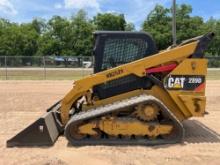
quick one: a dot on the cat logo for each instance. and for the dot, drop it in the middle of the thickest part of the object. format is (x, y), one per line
(176, 82)
(184, 82)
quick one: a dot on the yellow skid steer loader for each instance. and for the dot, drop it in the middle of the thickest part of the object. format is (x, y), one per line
(136, 96)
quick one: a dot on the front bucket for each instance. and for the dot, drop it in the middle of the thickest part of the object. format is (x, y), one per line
(42, 132)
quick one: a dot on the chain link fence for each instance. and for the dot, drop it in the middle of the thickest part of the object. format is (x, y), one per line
(45, 67)
(60, 68)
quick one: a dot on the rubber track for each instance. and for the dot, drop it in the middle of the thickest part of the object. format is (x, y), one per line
(115, 107)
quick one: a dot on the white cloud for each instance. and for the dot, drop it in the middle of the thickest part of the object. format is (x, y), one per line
(140, 9)
(79, 4)
(58, 6)
(7, 7)
(112, 11)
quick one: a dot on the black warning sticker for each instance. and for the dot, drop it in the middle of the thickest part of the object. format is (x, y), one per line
(183, 82)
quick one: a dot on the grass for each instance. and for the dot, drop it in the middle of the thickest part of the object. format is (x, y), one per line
(213, 74)
(62, 74)
(59, 74)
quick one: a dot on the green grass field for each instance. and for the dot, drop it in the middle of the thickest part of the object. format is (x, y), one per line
(65, 74)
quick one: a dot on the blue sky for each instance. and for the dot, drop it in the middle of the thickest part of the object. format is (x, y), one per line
(135, 10)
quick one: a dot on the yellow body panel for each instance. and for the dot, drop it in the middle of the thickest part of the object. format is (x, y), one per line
(137, 68)
(190, 103)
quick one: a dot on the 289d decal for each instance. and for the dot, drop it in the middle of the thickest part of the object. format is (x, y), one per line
(184, 82)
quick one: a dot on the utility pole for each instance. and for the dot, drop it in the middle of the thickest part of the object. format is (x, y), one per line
(174, 23)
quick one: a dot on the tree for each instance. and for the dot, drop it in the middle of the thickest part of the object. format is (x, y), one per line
(62, 36)
(39, 25)
(158, 23)
(19, 40)
(129, 27)
(110, 21)
(213, 25)
(53, 40)
(188, 26)
(81, 38)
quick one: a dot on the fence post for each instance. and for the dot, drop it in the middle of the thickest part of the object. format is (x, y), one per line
(83, 70)
(6, 68)
(45, 73)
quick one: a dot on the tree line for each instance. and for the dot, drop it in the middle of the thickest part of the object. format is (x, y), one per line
(62, 36)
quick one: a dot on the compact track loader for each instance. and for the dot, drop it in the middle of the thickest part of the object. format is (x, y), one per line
(136, 96)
